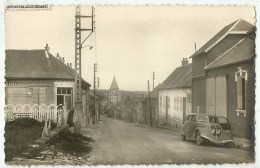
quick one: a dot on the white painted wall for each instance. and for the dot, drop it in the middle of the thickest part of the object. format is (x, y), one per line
(176, 107)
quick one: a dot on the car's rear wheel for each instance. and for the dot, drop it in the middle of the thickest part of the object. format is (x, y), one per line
(183, 137)
(199, 139)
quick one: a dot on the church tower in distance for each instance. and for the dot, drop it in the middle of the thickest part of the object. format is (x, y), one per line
(114, 95)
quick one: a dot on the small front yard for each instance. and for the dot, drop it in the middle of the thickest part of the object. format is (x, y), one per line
(19, 133)
(21, 147)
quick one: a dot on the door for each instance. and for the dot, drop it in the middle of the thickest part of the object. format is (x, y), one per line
(184, 109)
(192, 125)
(60, 100)
(221, 96)
(216, 96)
(210, 96)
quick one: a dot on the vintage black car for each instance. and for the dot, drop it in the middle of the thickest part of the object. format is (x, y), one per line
(202, 127)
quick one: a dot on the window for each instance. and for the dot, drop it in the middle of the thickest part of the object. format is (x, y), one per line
(175, 104)
(160, 101)
(181, 104)
(241, 83)
(64, 95)
(189, 98)
(193, 118)
(169, 103)
(241, 78)
(164, 102)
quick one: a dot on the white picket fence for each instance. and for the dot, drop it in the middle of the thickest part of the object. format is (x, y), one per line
(39, 112)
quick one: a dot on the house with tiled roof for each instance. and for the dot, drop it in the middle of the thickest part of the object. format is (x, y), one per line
(223, 77)
(38, 77)
(175, 95)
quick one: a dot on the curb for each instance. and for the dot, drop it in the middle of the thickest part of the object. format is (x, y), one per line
(244, 146)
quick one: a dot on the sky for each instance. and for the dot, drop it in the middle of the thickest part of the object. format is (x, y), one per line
(130, 42)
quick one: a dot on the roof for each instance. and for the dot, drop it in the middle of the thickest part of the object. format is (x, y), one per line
(179, 78)
(114, 84)
(238, 27)
(36, 64)
(242, 51)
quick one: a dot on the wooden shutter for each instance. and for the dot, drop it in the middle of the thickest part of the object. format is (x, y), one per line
(221, 96)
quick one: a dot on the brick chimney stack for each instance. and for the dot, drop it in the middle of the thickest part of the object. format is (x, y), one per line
(185, 61)
(47, 48)
(58, 55)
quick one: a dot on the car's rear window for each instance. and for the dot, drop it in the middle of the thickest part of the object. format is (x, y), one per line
(219, 120)
(203, 118)
(213, 119)
(222, 120)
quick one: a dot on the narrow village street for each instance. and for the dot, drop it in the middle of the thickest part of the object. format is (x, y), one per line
(119, 142)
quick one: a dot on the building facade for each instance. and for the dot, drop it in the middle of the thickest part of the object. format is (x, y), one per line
(223, 77)
(38, 77)
(175, 95)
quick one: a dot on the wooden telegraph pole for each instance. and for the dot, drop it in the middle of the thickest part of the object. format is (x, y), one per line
(78, 113)
(149, 100)
(153, 79)
(95, 117)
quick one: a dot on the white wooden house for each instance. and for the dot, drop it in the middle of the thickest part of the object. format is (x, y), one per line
(38, 77)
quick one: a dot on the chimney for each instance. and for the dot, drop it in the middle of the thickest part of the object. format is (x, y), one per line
(58, 55)
(63, 60)
(185, 61)
(47, 48)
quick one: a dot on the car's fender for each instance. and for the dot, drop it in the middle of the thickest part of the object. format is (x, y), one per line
(202, 129)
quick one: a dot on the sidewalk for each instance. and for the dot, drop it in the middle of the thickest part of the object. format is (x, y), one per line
(242, 143)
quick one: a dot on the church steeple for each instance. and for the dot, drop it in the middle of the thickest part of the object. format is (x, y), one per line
(114, 84)
(114, 93)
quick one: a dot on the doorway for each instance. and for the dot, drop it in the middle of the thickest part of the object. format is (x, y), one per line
(65, 95)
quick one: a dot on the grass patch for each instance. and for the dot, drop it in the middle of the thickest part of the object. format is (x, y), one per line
(19, 133)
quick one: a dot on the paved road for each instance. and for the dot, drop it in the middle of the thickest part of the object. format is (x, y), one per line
(119, 142)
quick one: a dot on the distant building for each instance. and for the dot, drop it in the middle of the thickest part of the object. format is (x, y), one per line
(175, 95)
(114, 93)
(223, 77)
(151, 104)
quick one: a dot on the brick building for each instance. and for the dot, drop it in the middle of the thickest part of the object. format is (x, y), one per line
(223, 77)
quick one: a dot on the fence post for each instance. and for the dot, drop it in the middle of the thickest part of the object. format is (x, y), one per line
(65, 113)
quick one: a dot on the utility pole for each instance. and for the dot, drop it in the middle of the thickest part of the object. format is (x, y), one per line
(78, 113)
(149, 100)
(95, 87)
(153, 79)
